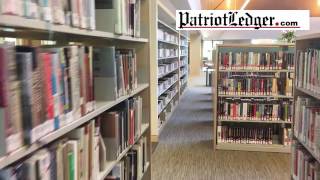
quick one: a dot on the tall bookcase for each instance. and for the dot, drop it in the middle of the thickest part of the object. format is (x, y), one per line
(306, 148)
(184, 61)
(252, 97)
(168, 72)
(33, 30)
(172, 69)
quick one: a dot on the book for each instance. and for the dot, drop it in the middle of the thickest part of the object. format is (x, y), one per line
(133, 165)
(304, 166)
(308, 74)
(124, 17)
(110, 132)
(307, 126)
(11, 134)
(121, 126)
(105, 74)
(115, 70)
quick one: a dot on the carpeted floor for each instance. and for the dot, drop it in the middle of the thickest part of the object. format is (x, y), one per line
(185, 149)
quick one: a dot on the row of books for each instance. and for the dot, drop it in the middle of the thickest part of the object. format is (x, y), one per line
(183, 80)
(167, 37)
(76, 156)
(167, 67)
(163, 117)
(85, 152)
(121, 126)
(76, 13)
(183, 52)
(123, 16)
(183, 42)
(133, 165)
(256, 60)
(258, 110)
(256, 85)
(308, 73)
(166, 97)
(183, 62)
(115, 70)
(183, 71)
(252, 135)
(307, 123)
(164, 52)
(304, 165)
(42, 90)
(165, 83)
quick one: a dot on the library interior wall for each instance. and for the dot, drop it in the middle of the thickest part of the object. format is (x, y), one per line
(195, 54)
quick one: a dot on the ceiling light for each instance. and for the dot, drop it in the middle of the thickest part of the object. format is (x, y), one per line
(228, 4)
(247, 2)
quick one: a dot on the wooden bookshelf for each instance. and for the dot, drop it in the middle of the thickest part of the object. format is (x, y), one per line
(35, 30)
(276, 146)
(302, 141)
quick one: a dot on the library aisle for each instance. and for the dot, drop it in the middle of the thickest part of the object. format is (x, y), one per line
(185, 147)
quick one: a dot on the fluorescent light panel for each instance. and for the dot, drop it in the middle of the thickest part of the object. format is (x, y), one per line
(246, 3)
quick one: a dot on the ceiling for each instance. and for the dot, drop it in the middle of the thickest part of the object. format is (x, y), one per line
(264, 5)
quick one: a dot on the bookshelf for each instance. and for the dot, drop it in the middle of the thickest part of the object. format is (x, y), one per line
(33, 31)
(305, 150)
(168, 69)
(184, 61)
(172, 69)
(246, 115)
(168, 73)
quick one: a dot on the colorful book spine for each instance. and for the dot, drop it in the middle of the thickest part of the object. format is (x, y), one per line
(258, 110)
(256, 60)
(307, 123)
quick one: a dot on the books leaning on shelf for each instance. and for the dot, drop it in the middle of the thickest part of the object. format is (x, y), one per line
(165, 98)
(123, 16)
(42, 90)
(256, 60)
(308, 73)
(133, 165)
(74, 157)
(114, 70)
(167, 67)
(255, 110)
(304, 165)
(183, 52)
(121, 126)
(253, 134)
(68, 12)
(255, 83)
(163, 35)
(165, 83)
(307, 123)
(183, 71)
(167, 52)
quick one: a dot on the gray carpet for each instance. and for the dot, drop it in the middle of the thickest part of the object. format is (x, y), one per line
(185, 149)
